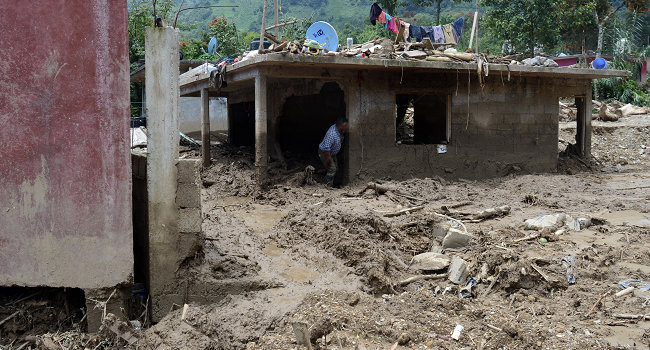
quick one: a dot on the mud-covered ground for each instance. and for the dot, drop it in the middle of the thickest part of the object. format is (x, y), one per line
(336, 263)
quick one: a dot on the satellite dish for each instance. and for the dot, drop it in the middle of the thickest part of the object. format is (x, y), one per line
(325, 34)
(212, 46)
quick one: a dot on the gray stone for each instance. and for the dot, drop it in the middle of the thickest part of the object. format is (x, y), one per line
(456, 239)
(440, 229)
(458, 271)
(415, 54)
(430, 262)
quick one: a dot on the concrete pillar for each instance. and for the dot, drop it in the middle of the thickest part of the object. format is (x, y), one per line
(261, 126)
(587, 123)
(353, 147)
(163, 94)
(205, 128)
(583, 124)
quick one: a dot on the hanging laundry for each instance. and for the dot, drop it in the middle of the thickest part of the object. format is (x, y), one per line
(458, 25)
(415, 32)
(375, 11)
(382, 17)
(427, 32)
(392, 25)
(438, 35)
(458, 28)
(448, 31)
(388, 20)
(407, 27)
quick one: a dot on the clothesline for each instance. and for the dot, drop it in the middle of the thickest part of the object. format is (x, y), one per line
(443, 34)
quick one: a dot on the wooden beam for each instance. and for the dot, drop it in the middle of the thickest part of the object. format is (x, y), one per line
(205, 128)
(272, 38)
(262, 30)
(281, 25)
(277, 12)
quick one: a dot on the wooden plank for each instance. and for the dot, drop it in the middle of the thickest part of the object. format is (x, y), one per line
(262, 29)
(277, 12)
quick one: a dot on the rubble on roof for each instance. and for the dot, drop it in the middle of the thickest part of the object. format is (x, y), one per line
(384, 48)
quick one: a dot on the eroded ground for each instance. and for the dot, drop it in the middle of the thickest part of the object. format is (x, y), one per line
(333, 260)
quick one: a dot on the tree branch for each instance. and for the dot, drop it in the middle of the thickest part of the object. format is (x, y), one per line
(613, 12)
(180, 9)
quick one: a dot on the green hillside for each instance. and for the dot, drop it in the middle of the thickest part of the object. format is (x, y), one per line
(248, 16)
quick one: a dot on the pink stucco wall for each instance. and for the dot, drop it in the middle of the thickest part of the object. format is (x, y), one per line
(65, 180)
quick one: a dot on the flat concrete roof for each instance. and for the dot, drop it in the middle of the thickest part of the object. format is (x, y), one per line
(189, 83)
(139, 74)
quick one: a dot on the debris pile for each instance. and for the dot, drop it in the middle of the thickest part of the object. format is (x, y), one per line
(384, 48)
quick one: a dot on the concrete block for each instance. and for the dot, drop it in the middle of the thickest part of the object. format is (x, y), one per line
(189, 243)
(458, 271)
(430, 262)
(189, 220)
(188, 195)
(456, 239)
(188, 170)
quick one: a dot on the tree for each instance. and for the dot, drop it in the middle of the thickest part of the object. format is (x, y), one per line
(526, 24)
(602, 20)
(437, 3)
(228, 43)
(141, 16)
(599, 13)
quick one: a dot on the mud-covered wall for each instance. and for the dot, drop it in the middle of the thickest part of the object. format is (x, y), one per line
(65, 189)
(502, 124)
(496, 128)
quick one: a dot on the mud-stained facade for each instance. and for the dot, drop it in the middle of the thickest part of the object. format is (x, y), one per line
(465, 126)
(65, 193)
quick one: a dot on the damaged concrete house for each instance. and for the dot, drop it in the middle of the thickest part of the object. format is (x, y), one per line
(465, 124)
(75, 214)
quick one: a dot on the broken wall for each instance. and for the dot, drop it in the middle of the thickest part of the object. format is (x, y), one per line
(65, 194)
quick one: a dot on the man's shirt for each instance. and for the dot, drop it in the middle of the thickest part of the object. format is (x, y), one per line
(332, 141)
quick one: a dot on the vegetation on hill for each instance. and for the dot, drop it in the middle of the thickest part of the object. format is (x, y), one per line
(528, 26)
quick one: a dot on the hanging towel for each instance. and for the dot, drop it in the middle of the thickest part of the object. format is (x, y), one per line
(392, 25)
(415, 32)
(382, 17)
(456, 35)
(375, 11)
(427, 32)
(458, 29)
(438, 35)
(458, 25)
(448, 30)
(407, 27)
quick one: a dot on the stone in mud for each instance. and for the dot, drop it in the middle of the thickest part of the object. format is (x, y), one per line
(458, 271)
(440, 229)
(430, 262)
(456, 239)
